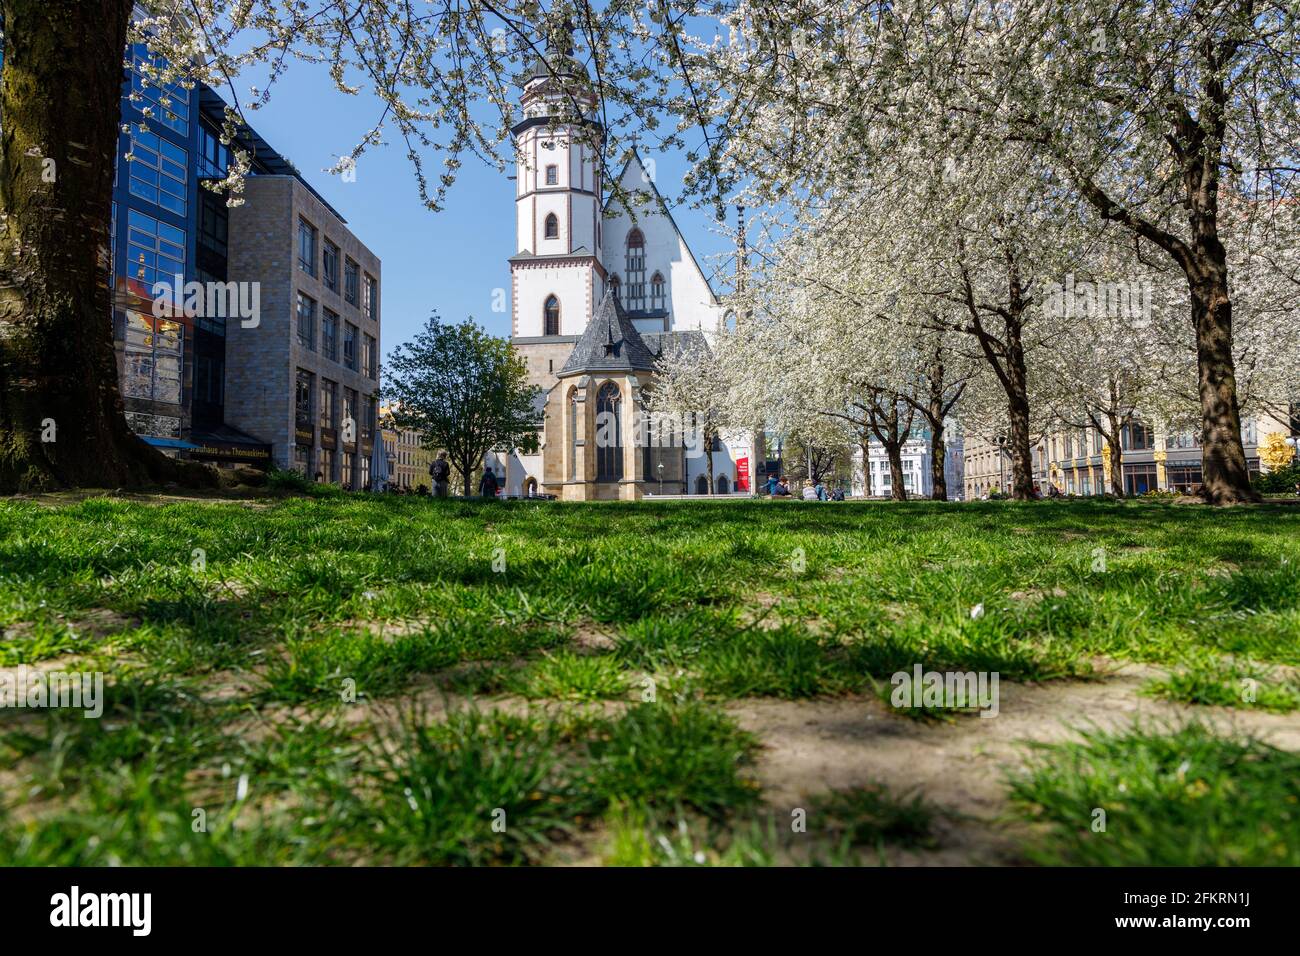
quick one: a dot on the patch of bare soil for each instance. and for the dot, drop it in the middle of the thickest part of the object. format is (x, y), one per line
(960, 766)
(256, 498)
(591, 637)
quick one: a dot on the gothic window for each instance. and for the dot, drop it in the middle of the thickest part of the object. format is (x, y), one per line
(647, 453)
(573, 434)
(657, 292)
(609, 433)
(635, 270)
(552, 227)
(551, 313)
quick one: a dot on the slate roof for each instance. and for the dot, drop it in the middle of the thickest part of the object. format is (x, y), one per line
(610, 343)
(539, 403)
(660, 343)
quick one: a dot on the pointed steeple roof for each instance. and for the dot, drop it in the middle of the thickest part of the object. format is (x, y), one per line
(610, 343)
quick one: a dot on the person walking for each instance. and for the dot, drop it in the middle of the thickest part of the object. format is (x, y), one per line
(440, 472)
(820, 488)
(487, 486)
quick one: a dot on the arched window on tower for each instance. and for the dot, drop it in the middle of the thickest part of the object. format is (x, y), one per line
(609, 433)
(552, 226)
(657, 289)
(551, 313)
(635, 271)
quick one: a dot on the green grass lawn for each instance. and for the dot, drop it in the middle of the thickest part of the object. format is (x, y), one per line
(350, 678)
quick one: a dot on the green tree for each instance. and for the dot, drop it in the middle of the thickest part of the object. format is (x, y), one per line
(465, 390)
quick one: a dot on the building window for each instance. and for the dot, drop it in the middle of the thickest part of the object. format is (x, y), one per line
(551, 313)
(214, 155)
(635, 270)
(152, 358)
(328, 393)
(301, 459)
(552, 226)
(209, 375)
(1140, 478)
(1135, 436)
(368, 419)
(609, 433)
(349, 415)
(302, 400)
(326, 472)
(329, 335)
(154, 250)
(306, 321)
(657, 295)
(350, 346)
(369, 360)
(169, 103)
(330, 266)
(1184, 476)
(350, 281)
(307, 247)
(573, 434)
(214, 223)
(371, 307)
(158, 170)
(552, 175)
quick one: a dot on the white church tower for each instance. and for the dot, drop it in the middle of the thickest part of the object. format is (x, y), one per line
(557, 277)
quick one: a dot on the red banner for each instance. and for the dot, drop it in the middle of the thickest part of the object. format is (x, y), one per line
(742, 474)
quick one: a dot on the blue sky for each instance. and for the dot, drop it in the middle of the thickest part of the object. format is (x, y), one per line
(451, 261)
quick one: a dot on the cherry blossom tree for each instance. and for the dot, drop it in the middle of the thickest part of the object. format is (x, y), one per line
(1159, 118)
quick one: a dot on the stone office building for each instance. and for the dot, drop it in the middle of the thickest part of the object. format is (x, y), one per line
(308, 372)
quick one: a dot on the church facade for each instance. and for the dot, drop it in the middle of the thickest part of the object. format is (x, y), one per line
(601, 291)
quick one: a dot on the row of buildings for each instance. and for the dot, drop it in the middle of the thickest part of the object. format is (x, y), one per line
(1076, 461)
(246, 334)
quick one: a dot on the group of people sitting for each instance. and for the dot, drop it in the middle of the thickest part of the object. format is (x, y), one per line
(780, 488)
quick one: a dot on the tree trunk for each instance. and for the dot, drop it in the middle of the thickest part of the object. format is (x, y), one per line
(897, 490)
(1224, 471)
(938, 458)
(61, 414)
(1017, 388)
(866, 467)
(1022, 462)
(1115, 450)
(708, 453)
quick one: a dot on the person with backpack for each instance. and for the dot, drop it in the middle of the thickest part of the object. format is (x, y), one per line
(487, 486)
(440, 472)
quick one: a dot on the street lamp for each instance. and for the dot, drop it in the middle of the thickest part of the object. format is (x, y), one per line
(661, 478)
